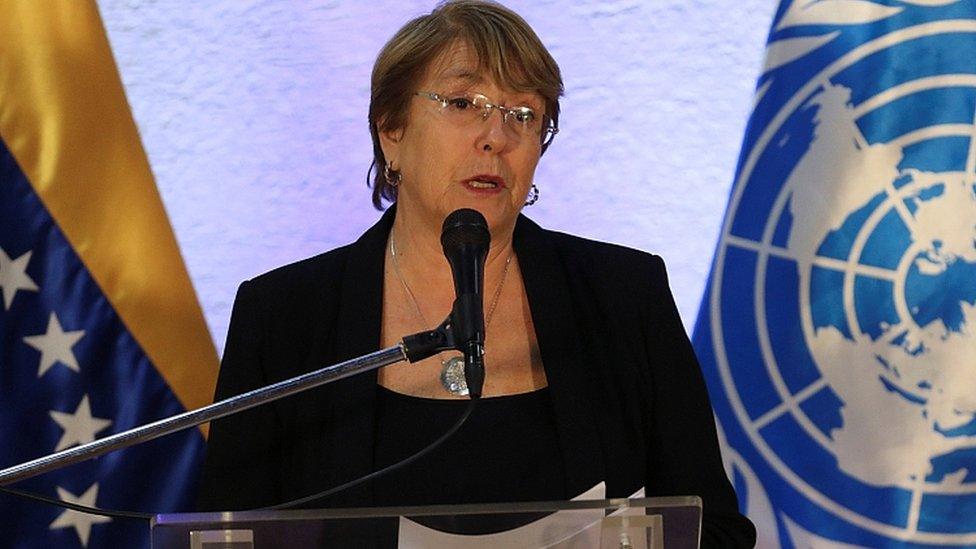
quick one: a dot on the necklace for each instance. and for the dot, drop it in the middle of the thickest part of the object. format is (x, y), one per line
(452, 368)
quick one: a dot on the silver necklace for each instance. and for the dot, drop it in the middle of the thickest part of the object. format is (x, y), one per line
(452, 368)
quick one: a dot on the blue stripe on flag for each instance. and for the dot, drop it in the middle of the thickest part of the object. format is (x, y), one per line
(113, 375)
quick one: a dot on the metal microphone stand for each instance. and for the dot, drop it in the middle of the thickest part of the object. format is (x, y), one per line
(412, 348)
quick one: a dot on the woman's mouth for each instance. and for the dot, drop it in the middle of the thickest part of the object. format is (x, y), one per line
(485, 183)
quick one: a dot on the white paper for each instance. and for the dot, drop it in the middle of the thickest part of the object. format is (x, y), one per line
(564, 530)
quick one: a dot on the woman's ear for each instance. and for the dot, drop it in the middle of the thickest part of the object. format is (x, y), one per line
(390, 143)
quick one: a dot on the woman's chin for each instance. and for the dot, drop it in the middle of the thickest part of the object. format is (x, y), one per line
(498, 214)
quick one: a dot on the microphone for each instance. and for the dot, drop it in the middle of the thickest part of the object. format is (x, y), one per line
(465, 239)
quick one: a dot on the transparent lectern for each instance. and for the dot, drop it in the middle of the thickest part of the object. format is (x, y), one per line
(638, 523)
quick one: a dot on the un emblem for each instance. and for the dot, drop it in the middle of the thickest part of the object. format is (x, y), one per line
(842, 307)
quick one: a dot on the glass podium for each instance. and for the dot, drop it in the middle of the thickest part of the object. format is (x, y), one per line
(637, 523)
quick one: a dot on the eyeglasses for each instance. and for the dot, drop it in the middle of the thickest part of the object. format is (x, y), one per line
(463, 109)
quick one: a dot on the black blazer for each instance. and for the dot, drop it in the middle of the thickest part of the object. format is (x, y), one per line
(628, 396)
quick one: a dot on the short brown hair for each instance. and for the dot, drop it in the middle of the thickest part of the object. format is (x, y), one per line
(506, 47)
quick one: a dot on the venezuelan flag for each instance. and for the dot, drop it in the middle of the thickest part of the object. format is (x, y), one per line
(100, 330)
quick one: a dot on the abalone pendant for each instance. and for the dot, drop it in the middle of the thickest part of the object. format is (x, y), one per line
(452, 376)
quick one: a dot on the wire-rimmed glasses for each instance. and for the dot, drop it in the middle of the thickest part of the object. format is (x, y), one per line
(465, 108)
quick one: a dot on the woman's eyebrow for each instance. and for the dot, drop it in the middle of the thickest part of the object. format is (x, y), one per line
(462, 75)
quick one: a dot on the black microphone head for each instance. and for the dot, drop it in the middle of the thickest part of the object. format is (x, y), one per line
(465, 240)
(465, 227)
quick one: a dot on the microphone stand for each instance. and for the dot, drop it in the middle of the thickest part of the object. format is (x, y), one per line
(412, 348)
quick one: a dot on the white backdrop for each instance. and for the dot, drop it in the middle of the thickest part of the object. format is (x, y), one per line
(253, 113)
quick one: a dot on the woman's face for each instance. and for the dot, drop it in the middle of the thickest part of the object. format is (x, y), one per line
(487, 165)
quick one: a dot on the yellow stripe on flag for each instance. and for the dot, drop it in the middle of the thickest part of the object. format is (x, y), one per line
(65, 118)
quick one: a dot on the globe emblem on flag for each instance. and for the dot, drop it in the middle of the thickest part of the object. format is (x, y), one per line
(843, 306)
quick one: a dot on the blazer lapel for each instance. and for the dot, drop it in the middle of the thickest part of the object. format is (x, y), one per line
(563, 357)
(358, 325)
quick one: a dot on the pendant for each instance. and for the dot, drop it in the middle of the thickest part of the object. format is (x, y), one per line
(452, 376)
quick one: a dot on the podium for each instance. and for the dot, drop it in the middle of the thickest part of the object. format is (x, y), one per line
(638, 523)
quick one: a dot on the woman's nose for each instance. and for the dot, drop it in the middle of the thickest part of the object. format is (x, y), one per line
(496, 134)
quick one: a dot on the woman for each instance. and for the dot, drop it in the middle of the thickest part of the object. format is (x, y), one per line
(590, 376)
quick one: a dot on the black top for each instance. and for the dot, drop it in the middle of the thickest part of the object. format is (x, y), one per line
(628, 398)
(506, 451)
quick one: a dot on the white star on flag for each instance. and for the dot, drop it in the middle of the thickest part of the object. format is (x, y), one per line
(55, 346)
(79, 427)
(13, 277)
(81, 522)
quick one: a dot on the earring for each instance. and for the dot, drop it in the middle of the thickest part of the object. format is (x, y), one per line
(392, 176)
(533, 195)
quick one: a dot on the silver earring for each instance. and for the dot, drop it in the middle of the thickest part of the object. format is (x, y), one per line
(533, 195)
(392, 176)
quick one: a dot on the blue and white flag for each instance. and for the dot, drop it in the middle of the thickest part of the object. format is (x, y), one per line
(100, 330)
(838, 328)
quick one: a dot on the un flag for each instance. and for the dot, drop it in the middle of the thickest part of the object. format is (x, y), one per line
(838, 328)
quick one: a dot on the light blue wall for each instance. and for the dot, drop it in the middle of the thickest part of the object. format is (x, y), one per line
(253, 113)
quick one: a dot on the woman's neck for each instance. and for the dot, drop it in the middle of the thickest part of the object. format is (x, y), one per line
(422, 264)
